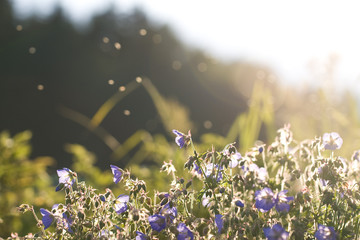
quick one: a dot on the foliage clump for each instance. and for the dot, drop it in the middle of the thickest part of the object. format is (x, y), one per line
(284, 190)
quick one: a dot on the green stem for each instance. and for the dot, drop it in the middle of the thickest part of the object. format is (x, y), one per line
(37, 220)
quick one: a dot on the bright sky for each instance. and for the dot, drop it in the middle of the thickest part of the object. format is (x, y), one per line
(285, 35)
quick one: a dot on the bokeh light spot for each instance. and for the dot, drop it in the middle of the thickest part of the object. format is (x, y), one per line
(117, 45)
(142, 32)
(19, 28)
(122, 88)
(208, 124)
(157, 38)
(106, 40)
(138, 79)
(176, 65)
(40, 87)
(127, 112)
(111, 82)
(32, 50)
(202, 67)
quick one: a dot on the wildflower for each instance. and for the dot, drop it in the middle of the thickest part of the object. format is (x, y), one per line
(66, 178)
(66, 222)
(356, 156)
(332, 141)
(157, 222)
(234, 159)
(205, 201)
(169, 211)
(261, 149)
(219, 222)
(184, 232)
(140, 236)
(239, 203)
(48, 217)
(121, 203)
(260, 173)
(117, 173)
(281, 201)
(264, 199)
(212, 170)
(325, 233)
(231, 152)
(181, 139)
(197, 169)
(277, 232)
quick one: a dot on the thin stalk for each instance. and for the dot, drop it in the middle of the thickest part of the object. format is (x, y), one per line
(37, 220)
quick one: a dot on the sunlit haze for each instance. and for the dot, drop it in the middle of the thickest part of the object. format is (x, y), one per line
(291, 37)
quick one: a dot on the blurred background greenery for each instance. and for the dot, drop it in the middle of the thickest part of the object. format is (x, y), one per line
(112, 92)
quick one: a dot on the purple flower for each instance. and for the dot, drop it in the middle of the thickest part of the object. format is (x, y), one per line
(281, 201)
(219, 222)
(332, 141)
(140, 236)
(184, 232)
(260, 173)
(157, 222)
(356, 156)
(66, 222)
(234, 159)
(264, 199)
(120, 205)
(205, 201)
(197, 169)
(117, 173)
(212, 170)
(325, 233)
(181, 139)
(66, 178)
(239, 203)
(276, 233)
(261, 149)
(169, 211)
(48, 217)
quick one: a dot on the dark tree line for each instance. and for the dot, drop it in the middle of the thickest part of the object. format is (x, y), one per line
(46, 64)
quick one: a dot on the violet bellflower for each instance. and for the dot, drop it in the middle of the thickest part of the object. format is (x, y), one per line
(197, 169)
(66, 178)
(66, 222)
(48, 218)
(157, 222)
(184, 232)
(264, 199)
(206, 201)
(214, 171)
(117, 172)
(140, 236)
(332, 141)
(325, 233)
(277, 232)
(181, 139)
(120, 205)
(219, 222)
(168, 211)
(281, 201)
(239, 203)
(234, 159)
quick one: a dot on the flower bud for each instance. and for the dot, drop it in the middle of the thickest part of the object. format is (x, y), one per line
(81, 215)
(59, 187)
